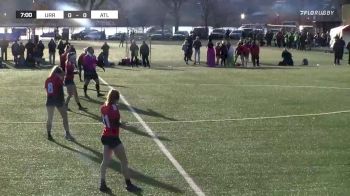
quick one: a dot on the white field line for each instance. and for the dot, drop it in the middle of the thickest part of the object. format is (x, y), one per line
(166, 152)
(198, 121)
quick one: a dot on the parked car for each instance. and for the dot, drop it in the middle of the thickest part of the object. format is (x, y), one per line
(180, 35)
(116, 36)
(94, 35)
(201, 32)
(218, 33)
(160, 35)
(236, 35)
(82, 34)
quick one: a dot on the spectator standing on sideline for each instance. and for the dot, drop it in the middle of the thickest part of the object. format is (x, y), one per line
(105, 49)
(60, 48)
(223, 52)
(210, 54)
(122, 40)
(230, 54)
(185, 49)
(30, 51)
(190, 46)
(348, 47)
(144, 51)
(240, 53)
(134, 48)
(255, 51)
(40, 48)
(342, 46)
(52, 51)
(337, 49)
(217, 52)
(197, 44)
(4, 44)
(21, 54)
(15, 52)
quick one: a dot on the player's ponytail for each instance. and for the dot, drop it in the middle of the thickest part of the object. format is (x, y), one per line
(56, 70)
(112, 97)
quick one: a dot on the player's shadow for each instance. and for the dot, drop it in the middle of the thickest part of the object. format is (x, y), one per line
(92, 89)
(97, 158)
(87, 114)
(148, 112)
(137, 131)
(11, 65)
(114, 86)
(91, 100)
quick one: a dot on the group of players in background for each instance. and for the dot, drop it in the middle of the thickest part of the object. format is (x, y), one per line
(63, 75)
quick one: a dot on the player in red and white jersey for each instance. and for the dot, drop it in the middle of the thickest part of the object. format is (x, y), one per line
(111, 142)
(63, 58)
(69, 79)
(81, 63)
(55, 99)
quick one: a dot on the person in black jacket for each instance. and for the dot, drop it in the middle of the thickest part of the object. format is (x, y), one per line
(134, 53)
(144, 51)
(30, 50)
(52, 51)
(4, 44)
(40, 48)
(337, 49)
(287, 58)
(105, 50)
(342, 46)
(21, 54)
(61, 47)
(15, 52)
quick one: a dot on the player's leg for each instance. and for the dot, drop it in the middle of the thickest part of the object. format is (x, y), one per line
(87, 79)
(119, 152)
(64, 115)
(97, 85)
(107, 156)
(76, 97)
(50, 112)
(70, 94)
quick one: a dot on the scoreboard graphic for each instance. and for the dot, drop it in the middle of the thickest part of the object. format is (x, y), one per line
(58, 14)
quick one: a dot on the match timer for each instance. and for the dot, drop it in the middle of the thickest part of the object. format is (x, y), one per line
(26, 14)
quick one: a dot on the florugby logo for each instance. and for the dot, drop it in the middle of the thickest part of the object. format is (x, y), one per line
(316, 12)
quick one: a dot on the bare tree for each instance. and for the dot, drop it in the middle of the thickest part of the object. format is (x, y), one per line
(207, 6)
(174, 6)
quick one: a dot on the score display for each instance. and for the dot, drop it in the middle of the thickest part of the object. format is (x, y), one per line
(58, 14)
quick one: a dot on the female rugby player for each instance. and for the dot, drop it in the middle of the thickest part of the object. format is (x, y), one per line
(111, 142)
(55, 99)
(90, 63)
(69, 80)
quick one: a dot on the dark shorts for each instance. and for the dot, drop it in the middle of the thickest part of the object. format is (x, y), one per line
(69, 82)
(90, 75)
(110, 141)
(54, 102)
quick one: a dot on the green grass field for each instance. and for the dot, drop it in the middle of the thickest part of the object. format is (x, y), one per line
(237, 154)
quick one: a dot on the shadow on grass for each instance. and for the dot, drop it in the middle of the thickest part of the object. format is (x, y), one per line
(11, 65)
(87, 114)
(91, 89)
(114, 86)
(97, 158)
(137, 131)
(148, 112)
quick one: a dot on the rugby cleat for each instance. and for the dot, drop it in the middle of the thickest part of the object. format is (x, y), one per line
(133, 188)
